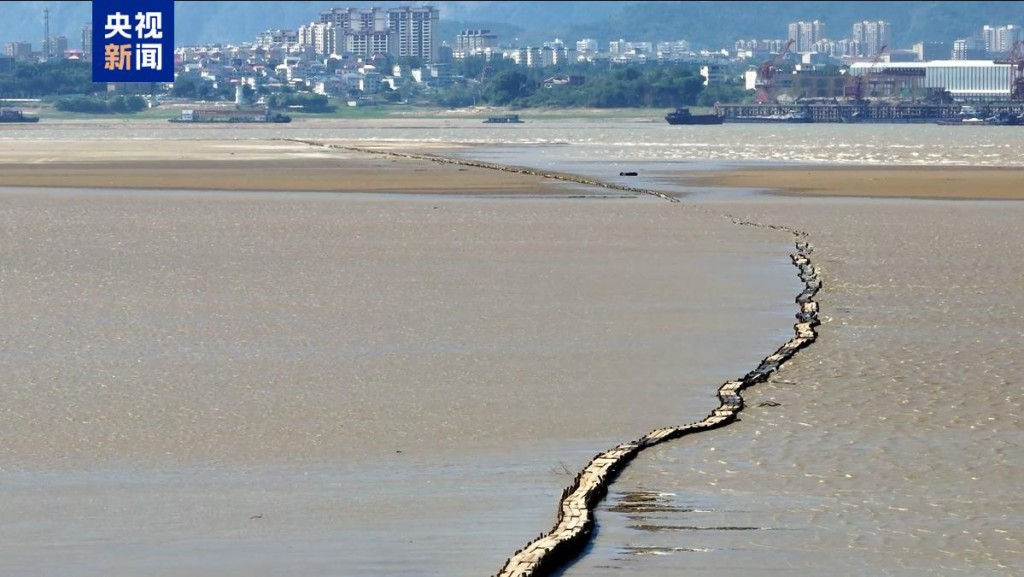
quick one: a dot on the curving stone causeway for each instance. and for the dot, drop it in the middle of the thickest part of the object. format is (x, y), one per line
(551, 551)
(571, 533)
(477, 164)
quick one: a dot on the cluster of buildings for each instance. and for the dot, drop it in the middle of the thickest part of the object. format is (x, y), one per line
(272, 68)
(867, 39)
(408, 31)
(51, 48)
(977, 68)
(346, 51)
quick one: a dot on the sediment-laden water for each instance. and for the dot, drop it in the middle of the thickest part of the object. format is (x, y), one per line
(256, 384)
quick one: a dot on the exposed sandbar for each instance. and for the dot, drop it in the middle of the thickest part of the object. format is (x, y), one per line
(266, 165)
(953, 182)
(252, 166)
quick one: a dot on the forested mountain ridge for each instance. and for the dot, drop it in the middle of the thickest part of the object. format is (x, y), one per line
(233, 22)
(716, 25)
(711, 25)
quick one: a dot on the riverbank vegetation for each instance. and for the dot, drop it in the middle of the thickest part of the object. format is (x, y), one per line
(471, 82)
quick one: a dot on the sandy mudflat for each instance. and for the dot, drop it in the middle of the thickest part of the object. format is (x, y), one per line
(253, 166)
(266, 165)
(876, 181)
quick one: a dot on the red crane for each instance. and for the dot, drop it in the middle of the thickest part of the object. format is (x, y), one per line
(1015, 58)
(766, 75)
(855, 89)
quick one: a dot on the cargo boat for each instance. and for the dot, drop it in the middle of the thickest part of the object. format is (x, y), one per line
(15, 115)
(684, 116)
(230, 116)
(998, 119)
(504, 119)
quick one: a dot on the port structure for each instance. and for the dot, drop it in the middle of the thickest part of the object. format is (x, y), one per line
(1015, 58)
(855, 89)
(766, 76)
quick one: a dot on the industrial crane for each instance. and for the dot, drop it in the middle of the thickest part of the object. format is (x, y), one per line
(1015, 58)
(856, 89)
(766, 75)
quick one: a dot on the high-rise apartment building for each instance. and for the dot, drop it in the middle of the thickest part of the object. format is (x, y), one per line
(806, 34)
(359, 32)
(322, 37)
(401, 31)
(416, 28)
(872, 36)
(969, 49)
(1000, 39)
(87, 42)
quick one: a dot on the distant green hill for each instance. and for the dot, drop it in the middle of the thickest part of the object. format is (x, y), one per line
(712, 25)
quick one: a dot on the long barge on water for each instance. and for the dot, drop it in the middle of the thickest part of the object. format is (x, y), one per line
(13, 115)
(228, 115)
(877, 113)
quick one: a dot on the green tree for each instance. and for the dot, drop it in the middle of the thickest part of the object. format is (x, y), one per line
(456, 97)
(410, 62)
(728, 93)
(52, 78)
(506, 87)
(302, 101)
(184, 88)
(95, 105)
(204, 91)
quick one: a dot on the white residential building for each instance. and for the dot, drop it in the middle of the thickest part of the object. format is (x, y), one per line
(872, 36)
(714, 74)
(805, 34)
(999, 40)
(586, 45)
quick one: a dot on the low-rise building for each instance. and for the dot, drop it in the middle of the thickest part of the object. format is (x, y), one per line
(564, 80)
(474, 43)
(714, 74)
(18, 50)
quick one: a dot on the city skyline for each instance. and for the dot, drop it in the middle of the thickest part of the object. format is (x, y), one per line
(413, 31)
(23, 22)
